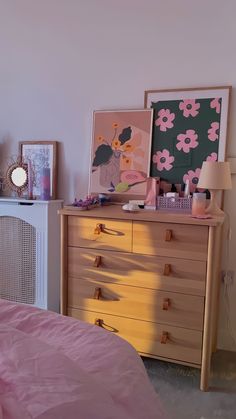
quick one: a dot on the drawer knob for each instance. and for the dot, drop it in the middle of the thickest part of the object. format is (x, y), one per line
(98, 228)
(97, 293)
(166, 304)
(97, 261)
(167, 269)
(98, 322)
(168, 235)
(164, 337)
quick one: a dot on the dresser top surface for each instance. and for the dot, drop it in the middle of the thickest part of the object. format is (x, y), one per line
(116, 212)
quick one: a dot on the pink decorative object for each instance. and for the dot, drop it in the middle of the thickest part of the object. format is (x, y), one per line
(163, 160)
(213, 132)
(215, 103)
(153, 185)
(198, 204)
(164, 120)
(189, 107)
(187, 141)
(45, 184)
(121, 148)
(212, 157)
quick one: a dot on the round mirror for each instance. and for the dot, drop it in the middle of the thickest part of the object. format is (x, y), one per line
(19, 176)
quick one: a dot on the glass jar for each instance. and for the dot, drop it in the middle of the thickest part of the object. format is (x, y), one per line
(198, 204)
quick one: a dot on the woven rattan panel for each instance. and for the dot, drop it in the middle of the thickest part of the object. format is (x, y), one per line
(17, 260)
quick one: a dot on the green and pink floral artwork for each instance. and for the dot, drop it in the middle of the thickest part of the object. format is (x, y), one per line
(189, 127)
(120, 154)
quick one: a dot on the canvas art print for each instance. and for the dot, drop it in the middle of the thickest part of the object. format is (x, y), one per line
(41, 154)
(120, 155)
(189, 127)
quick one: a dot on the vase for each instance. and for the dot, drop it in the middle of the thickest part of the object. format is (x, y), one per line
(110, 172)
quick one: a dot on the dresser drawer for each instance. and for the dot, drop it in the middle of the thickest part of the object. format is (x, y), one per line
(100, 233)
(170, 274)
(138, 303)
(179, 344)
(174, 240)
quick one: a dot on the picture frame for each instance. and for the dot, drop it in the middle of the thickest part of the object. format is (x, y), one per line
(40, 155)
(120, 153)
(189, 126)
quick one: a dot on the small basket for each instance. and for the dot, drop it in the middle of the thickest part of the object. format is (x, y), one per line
(174, 204)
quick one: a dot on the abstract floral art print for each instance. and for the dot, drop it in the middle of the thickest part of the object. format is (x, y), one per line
(189, 127)
(120, 154)
(41, 155)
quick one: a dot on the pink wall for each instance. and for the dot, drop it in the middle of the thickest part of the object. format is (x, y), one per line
(60, 60)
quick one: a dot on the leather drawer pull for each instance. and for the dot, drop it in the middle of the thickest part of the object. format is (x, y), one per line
(164, 337)
(100, 323)
(98, 229)
(167, 269)
(97, 261)
(97, 293)
(166, 304)
(168, 235)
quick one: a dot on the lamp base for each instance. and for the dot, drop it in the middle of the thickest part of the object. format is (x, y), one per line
(213, 208)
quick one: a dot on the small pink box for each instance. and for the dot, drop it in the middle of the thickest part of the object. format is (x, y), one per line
(152, 191)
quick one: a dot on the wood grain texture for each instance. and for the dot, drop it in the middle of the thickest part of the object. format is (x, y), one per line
(218, 244)
(146, 276)
(133, 302)
(114, 235)
(187, 242)
(64, 266)
(186, 276)
(182, 345)
(115, 212)
(208, 318)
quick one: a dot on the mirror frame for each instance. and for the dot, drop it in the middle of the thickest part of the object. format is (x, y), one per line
(17, 164)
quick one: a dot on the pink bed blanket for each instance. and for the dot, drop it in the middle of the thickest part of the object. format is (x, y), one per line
(56, 367)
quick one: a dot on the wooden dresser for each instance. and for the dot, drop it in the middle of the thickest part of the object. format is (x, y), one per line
(150, 277)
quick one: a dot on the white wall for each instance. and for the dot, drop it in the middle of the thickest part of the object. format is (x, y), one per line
(62, 59)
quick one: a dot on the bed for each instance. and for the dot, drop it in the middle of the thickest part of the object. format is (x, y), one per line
(53, 366)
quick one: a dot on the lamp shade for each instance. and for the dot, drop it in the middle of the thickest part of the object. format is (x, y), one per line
(215, 175)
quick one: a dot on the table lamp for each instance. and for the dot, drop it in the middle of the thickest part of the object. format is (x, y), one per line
(215, 176)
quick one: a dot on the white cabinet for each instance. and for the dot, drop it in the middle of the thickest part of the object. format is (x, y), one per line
(30, 252)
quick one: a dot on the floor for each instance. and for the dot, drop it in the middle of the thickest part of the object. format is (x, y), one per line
(178, 388)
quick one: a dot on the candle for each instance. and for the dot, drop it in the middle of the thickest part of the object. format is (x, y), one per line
(198, 204)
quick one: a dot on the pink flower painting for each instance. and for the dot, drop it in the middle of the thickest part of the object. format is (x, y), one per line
(192, 176)
(163, 160)
(164, 120)
(187, 141)
(215, 104)
(213, 132)
(212, 157)
(189, 107)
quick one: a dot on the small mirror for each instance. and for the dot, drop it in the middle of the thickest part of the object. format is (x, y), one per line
(17, 176)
